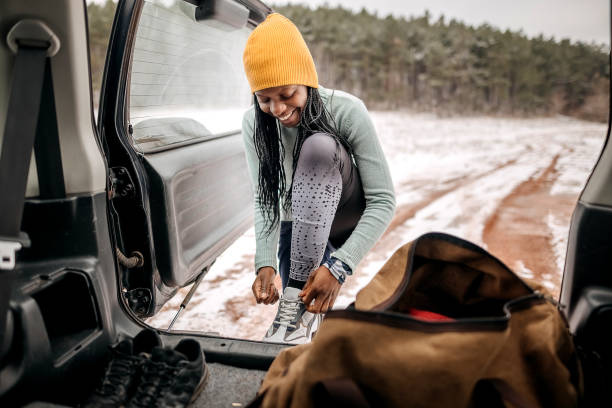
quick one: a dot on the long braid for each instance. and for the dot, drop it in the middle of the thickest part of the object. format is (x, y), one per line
(270, 150)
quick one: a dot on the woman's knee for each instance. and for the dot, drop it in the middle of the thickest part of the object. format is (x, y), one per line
(319, 149)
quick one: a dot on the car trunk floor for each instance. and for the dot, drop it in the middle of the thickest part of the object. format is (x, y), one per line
(229, 386)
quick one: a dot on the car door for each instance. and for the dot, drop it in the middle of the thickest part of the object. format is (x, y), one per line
(170, 116)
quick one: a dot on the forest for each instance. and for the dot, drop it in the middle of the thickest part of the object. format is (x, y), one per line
(439, 65)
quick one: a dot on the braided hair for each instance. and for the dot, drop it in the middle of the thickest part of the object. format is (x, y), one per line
(272, 185)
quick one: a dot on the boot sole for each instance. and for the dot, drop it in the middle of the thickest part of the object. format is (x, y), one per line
(201, 385)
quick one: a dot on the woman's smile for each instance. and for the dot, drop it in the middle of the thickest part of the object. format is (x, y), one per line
(283, 118)
(287, 116)
(285, 103)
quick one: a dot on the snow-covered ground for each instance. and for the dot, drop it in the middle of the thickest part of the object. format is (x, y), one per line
(506, 184)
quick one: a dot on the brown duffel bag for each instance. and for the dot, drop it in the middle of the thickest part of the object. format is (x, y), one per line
(502, 344)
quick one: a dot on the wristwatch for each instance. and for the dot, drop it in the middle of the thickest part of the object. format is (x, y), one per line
(338, 269)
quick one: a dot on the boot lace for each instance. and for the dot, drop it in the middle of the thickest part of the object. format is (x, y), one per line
(287, 312)
(117, 376)
(157, 378)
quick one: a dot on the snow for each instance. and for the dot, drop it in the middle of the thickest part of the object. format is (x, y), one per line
(523, 271)
(559, 231)
(452, 172)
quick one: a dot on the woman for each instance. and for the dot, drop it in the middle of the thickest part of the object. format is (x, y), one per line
(323, 191)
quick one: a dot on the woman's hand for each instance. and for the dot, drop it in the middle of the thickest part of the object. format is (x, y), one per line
(321, 286)
(264, 289)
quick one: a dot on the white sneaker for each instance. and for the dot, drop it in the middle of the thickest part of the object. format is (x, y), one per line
(293, 323)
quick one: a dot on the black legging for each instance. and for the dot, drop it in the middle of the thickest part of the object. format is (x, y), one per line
(327, 202)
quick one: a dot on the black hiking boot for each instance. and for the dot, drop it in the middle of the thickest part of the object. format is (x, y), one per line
(172, 378)
(127, 358)
(191, 378)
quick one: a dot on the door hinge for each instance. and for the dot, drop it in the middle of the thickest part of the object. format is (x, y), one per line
(121, 185)
(139, 300)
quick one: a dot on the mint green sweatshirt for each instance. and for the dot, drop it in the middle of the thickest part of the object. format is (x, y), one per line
(353, 121)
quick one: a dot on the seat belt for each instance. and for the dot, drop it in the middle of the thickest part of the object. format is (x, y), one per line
(33, 42)
(46, 144)
(19, 134)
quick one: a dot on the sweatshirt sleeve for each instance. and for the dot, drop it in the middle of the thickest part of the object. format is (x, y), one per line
(355, 123)
(265, 244)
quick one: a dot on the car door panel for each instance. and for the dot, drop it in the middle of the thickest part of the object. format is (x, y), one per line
(197, 195)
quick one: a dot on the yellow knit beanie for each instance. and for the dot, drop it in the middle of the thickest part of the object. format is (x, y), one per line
(276, 54)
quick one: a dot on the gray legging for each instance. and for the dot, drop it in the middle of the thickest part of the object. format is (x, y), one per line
(327, 202)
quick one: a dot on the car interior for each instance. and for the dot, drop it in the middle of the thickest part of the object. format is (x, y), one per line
(107, 213)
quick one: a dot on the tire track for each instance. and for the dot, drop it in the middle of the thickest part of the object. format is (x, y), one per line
(518, 232)
(405, 212)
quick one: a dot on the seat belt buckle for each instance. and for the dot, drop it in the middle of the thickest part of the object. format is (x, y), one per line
(8, 251)
(9, 246)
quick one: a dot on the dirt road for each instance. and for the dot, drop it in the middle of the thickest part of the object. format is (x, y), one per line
(509, 185)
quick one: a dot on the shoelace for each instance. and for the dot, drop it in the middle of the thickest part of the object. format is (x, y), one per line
(156, 378)
(120, 368)
(287, 311)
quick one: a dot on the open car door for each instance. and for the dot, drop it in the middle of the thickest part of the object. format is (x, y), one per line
(170, 117)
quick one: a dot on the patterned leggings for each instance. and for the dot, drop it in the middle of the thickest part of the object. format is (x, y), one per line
(327, 202)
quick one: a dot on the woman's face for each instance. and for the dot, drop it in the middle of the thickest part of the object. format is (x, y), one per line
(285, 103)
